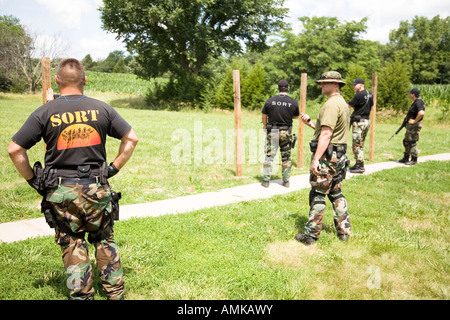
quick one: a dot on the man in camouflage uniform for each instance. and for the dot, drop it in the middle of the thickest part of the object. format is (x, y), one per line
(77, 195)
(277, 115)
(413, 127)
(362, 103)
(329, 161)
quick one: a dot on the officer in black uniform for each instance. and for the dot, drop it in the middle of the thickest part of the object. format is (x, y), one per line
(277, 115)
(74, 182)
(413, 126)
(361, 103)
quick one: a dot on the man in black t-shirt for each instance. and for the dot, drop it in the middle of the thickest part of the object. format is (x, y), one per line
(277, 115)
(361, 103)
(77, 195)
(413, 127)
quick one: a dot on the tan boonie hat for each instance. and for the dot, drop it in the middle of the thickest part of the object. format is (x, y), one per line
(331, 76)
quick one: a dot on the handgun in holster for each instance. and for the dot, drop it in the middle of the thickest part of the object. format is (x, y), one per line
(39, 185)
(115, 197)
(47, 210)
(294, 140)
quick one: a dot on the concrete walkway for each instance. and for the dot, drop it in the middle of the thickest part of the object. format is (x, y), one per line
(24, 229)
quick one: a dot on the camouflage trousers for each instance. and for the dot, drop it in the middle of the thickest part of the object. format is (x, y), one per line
(278, 139)
(359, 132)
(328, 183)
(411, 138)
(86, 209)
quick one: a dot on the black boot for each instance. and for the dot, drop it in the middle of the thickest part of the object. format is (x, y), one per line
(303, 238)
(412, 162)
(405, 158)
(358, 168)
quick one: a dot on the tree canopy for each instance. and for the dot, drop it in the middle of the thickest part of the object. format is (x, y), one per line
(15, 45)
(424, 45)
(324, 43)
(180, 36)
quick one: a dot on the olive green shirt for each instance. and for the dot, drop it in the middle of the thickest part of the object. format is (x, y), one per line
(335, 115)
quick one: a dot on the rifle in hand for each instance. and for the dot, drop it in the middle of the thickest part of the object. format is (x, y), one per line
(401, 127)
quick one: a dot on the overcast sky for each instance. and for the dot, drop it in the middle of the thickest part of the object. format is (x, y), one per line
(78, 23)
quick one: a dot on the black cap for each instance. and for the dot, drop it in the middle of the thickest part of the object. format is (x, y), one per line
(283, 84)
(357, 81)
(414, 91)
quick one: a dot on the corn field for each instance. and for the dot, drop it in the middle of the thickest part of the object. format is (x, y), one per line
(431, 92)
(117, 82)
(436, 94)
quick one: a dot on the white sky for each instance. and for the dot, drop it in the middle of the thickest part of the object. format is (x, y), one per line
(78, 23)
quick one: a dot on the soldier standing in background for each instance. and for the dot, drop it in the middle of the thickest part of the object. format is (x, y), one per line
(74, 182)
(329, 161)
(413, 127)
(277, 115)
(361, 103)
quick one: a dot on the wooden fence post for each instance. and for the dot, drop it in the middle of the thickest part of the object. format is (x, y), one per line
(301, 126)
(46, 78)
(373, 117)
(237, 121)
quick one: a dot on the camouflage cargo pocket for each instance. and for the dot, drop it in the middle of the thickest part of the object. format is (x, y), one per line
(322, 183)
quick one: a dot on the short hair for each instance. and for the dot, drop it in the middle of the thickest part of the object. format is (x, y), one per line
(71, 73)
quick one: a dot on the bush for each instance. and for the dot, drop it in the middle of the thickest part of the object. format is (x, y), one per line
(393, 84)
(354, 71)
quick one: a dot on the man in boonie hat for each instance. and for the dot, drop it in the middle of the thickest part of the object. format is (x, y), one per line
(328, 161)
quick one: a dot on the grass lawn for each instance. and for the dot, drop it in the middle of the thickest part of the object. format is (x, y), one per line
(184, 152)
(399, 248)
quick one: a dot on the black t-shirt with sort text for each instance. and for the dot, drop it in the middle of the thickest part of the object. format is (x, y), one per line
(280, 110)
(74, 129)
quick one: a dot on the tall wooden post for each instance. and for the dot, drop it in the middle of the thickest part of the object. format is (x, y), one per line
(373, 117)
(237, 121)
(301, 126)
(46, 77)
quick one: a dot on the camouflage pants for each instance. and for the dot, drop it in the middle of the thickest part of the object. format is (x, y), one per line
(80, 209)
(329, 182)
(359, 132)
(278, 139)
(411, 138)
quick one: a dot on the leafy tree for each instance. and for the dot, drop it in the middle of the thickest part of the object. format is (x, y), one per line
(393, 83)
(180, 36)
(88, 62)
(15, 45)
(254, 87)
(19, 69)
(224, 92)
(424, 45)
(120, 66)
(355, 70)
(324, 44)
(110, 62)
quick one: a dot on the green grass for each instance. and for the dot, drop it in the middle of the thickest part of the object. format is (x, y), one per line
(151, 174)
(399, 248)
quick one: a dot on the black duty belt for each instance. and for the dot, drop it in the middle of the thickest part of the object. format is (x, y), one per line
(75, 181)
